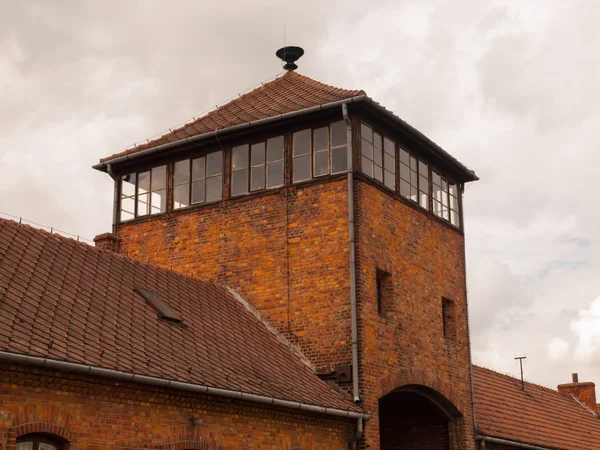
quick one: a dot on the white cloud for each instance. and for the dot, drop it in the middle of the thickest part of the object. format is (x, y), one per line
(558, 349)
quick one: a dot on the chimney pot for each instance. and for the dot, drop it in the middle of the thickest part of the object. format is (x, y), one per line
(585, 392)
(575, 378)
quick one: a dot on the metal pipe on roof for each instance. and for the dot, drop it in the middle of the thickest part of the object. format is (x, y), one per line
(356, 99)
(179, 385)
(510, 443)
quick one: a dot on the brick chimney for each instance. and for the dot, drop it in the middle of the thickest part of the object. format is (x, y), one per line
(108, 241)
(585, 392)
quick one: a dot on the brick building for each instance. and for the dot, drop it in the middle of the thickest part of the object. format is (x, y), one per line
(340, 223)
(512, 415)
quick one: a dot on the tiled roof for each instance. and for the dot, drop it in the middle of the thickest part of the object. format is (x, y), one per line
(536, 416)
(68, 301)
(287, 93)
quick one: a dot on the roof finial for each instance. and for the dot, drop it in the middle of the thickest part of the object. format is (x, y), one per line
(290, 55)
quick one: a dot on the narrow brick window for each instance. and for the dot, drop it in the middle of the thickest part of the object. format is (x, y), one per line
(449, 319)
(385, 292)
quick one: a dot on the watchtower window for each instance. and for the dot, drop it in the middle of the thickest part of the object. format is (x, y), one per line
(144, 193)
(449, 319)
(378, 156)
(198, 180)
(320, 151)
(257, 166)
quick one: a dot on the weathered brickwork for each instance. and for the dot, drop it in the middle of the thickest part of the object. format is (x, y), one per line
(407, 346)
(286, 252)
(98, 414)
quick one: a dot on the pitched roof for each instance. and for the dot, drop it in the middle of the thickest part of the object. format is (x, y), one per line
(287, 93)
(536, 416)
(65, 300)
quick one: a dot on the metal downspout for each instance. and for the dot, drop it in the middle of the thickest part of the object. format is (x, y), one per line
(352, 241)
(115, 214)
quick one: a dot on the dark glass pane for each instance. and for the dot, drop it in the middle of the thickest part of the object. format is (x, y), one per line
(239, 182)
(181, 195)
(453, 190)
(257, 178)
(436, 192)
(389, 146)
(302, 143)
(339, 133)
(413, 163)
(321, 138)
(214, 188)
(423, 184)
(143, 182)
(390, 180)
(25, 445)
(239, 159)
(404, 172)
(128, 185)
(378, 156)
(159, 201)
(366, 132)
(444, 185)
(377, 143)
(413, 193)
(339, 159)
(423, 170)
(377, 172)
(198, 194)
(389, 162)
(257, 154)
(302, 168)
(198, 168)
(413, 178)
(404, 157)
(404, 188)
(321, 163)
(275, 174)
(366, 149)
(214, 164)
(143, 205)
(367, 167)
(437, 208)
(275, 149)
(159, 177)
(435, 179)
(182, 172)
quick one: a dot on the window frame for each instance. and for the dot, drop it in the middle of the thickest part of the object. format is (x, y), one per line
(312, 153)
(265, 165)
(136, 194)
(376, 135)
(206, 177)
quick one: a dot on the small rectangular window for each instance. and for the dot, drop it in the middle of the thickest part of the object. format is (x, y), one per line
(198, 180)
(385, 292)
(257, 166)
(144, 193)
(449, 319)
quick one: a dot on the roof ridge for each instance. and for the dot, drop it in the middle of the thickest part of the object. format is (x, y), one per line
(507, 375)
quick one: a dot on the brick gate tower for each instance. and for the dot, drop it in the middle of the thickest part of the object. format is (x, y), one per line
(340, 223)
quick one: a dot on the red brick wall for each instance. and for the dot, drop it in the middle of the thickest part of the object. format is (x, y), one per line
(425, 258)
(97, 414)
(286, 252)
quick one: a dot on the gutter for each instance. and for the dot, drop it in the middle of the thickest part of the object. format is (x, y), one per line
(469, 174)
(164, 383)
(492, 440)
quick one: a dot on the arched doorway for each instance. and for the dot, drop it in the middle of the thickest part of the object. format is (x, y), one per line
(415, 417)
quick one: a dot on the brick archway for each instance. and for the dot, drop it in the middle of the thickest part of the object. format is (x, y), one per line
(405, 377)
(29, 419)
(188, 437)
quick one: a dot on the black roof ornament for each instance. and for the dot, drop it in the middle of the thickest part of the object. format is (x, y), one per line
(290, 55)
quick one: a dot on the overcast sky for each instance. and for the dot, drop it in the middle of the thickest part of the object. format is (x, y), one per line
(510, 88)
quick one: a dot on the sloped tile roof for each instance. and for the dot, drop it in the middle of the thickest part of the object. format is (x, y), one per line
(536, 416)
(287, 93)
(68, 301)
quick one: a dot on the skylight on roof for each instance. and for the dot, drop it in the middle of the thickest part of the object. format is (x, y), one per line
(163, 309)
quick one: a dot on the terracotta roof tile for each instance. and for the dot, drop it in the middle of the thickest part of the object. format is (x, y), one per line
(535, 416)
(64, 300)
(287, 93)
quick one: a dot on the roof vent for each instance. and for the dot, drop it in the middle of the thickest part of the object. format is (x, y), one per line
(290, 55)
(164, 311)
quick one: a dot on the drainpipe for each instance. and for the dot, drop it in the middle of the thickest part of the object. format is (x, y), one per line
(115, 215)
(352, 241)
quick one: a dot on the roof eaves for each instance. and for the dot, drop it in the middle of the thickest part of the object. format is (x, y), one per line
(510, 443)
(178, 385)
